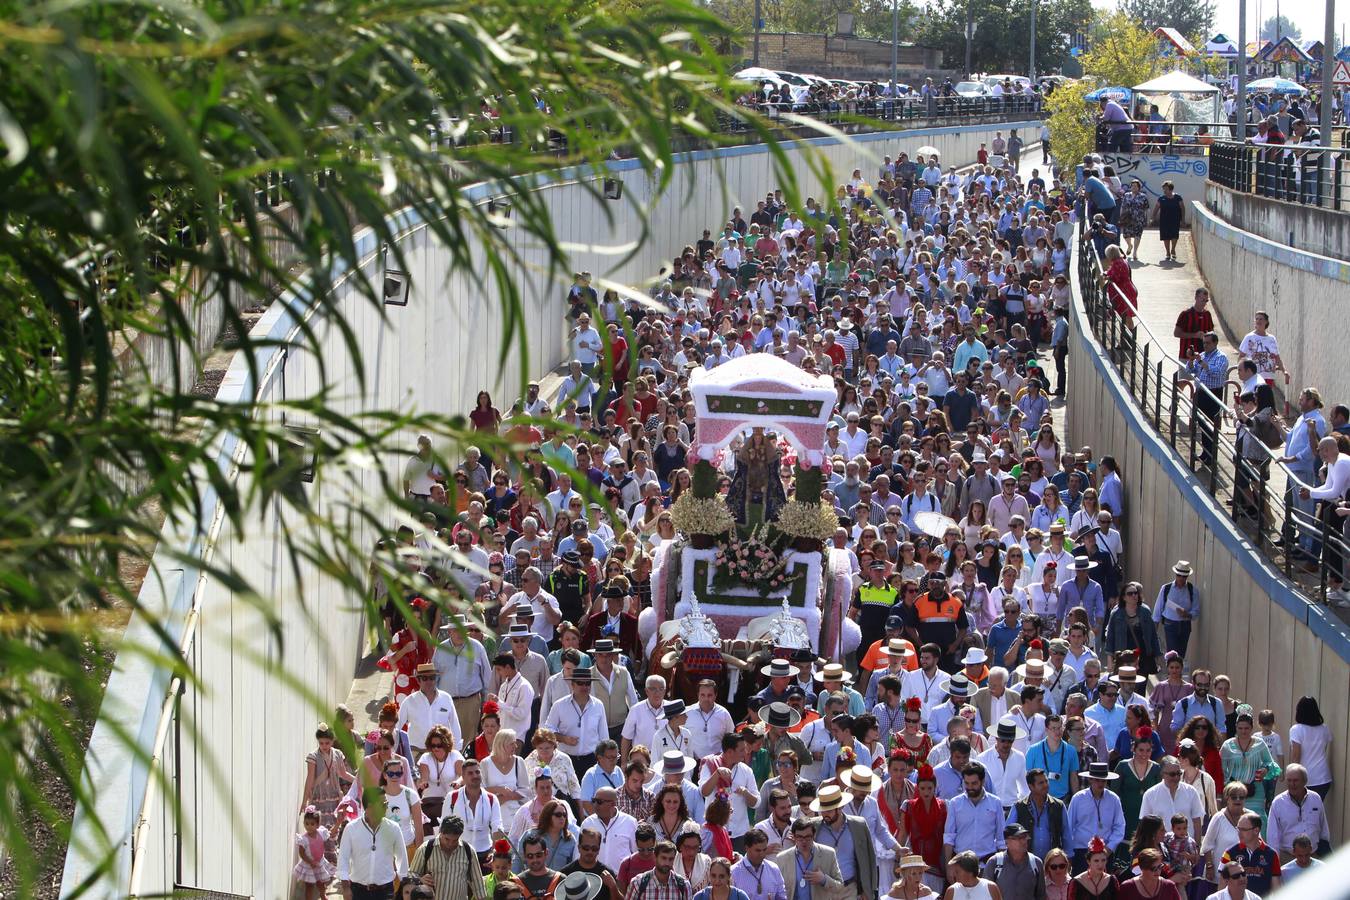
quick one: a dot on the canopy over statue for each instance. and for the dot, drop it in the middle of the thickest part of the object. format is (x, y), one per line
(760, 390)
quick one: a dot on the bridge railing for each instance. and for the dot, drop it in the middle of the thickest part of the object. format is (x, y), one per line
(1312, 176)
(1259, 491)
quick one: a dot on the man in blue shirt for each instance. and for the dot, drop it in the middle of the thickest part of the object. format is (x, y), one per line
(961, 404)
(1300, 454)
(1056, 759)
(1107, 713)
(1095, 812)
(1209, 367)
(974, 819)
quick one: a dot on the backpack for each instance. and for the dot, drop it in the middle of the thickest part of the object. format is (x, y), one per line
(1190, 591)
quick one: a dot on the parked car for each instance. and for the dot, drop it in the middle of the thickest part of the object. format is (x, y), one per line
(972, 89)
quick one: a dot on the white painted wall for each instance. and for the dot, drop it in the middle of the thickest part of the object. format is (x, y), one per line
(245, 733)
(1302, 291)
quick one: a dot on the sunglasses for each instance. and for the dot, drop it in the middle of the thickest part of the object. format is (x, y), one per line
(1235, 876)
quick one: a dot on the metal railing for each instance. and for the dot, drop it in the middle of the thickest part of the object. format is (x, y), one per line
(1312, 176)
(1257, 493)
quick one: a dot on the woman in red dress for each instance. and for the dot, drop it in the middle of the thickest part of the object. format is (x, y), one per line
(925, 817)
(1118, 275)
(912, 737)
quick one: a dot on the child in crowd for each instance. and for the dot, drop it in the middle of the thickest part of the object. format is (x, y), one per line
(1180, 846)
(313, 870)
(1275, 744)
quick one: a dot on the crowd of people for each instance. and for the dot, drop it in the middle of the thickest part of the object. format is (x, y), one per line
(1019, 720)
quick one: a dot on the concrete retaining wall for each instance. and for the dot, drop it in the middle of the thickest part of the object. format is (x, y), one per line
(1322, 231)
(1275, 646)
(243, 735)
(1307, 295)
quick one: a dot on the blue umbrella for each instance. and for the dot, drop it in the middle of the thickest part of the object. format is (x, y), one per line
(1276, 86)
(1109, 93)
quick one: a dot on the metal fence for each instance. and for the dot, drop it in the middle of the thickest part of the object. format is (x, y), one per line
(1258, 493)
(1312, 176)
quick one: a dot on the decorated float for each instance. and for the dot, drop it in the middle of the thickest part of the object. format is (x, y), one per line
(753, 576)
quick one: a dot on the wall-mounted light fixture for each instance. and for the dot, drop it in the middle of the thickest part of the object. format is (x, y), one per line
(500, 209)
(397, 287)
(301, 449)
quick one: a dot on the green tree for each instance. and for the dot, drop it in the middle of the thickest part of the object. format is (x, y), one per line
(1195, 19)
(1122, 53)
(138, 140)
(1003, 32)
(1277, 27)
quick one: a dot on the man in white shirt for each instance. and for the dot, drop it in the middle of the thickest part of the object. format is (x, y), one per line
(644, 718)
(1173, 796)
(547, 613)
(1332, 490)
(617, 829)
(425, 707)
(579, 722)
(672, 735)
(1296, 811)
(1006, 766)
(515, 695)
(481, 811)
(587, 343)
(421, 471)
(928, 682)
(371, 853)
(728, 772)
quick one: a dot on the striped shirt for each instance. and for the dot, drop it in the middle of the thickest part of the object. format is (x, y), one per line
(456, 874)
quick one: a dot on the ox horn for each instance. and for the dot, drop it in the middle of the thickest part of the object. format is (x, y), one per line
(669, 660)
(734, 662)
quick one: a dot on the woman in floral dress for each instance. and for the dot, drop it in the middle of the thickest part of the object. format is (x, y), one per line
(1133, 217)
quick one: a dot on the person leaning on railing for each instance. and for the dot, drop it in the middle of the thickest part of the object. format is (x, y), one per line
(1209, 367)
(1333, 493)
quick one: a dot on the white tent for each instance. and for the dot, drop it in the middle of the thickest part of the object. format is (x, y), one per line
(1177, 82)
(1181, 98)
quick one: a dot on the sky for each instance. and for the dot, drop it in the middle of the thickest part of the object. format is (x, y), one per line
(1308, 15)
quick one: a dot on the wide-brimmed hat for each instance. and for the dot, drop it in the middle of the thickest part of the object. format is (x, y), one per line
(1081, 564)
(579, 886)
(913, 861)
(674, 762)
(1056, 528)
(974, 657)
(1037, 664)
(425, 669)
(834, 672)
(581, 675)
(572, 558)
(959, 685)
(518, 630)
(829, 797)
(1127, 675)
(613, 591)
(897, 647)
(780, 715)
(1101, 771)
(1007, 729)
(1183, 567)
(604, 645)
(779, 668)
(862, 778)
(672, 709)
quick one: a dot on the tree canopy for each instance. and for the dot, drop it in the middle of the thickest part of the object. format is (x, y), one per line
(1002, 42)
(160, 155)
(1276, 27)
(1195, 19)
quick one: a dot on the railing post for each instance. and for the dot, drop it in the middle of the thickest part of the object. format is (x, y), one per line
(1288, 535)
(1263, 472)
(1157, 397)
(1143, 388)
(1214, 427)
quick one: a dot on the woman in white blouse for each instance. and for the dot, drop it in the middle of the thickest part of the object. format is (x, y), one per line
(505, 775)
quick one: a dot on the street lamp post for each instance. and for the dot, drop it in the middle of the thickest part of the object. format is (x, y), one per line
(1240, 107)
(970, 32)
(895, 43)
(758, 23)
(1032, 67)
(1328, 63)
